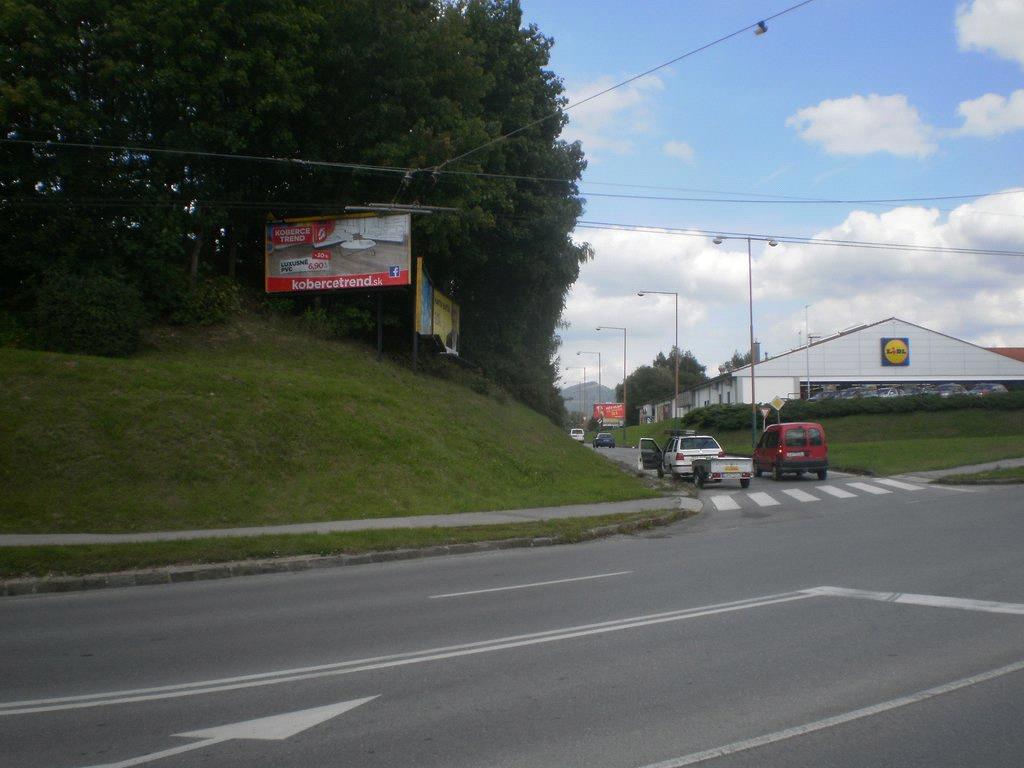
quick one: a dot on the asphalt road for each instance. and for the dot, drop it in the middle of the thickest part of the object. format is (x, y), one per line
(712, 642)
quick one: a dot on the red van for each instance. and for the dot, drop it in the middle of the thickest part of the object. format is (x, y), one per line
(794, 447)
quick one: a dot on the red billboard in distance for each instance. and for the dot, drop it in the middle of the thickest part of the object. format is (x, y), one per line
(610, 413)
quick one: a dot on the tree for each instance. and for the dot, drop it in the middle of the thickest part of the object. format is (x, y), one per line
(737, 360)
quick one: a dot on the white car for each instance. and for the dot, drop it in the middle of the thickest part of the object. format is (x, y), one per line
(676, 459)
(577, 435)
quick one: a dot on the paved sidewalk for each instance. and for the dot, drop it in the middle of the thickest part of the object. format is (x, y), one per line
(422, 521)
(934, 474)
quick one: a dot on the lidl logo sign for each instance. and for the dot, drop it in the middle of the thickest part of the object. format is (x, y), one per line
(896, 351)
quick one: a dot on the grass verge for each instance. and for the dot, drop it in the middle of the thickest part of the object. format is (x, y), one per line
(78, 560)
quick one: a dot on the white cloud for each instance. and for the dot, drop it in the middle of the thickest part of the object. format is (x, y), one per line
(679, 150)
(977, 298)
(996, 25)
(861, 125)
(992, 114)
(607, 123)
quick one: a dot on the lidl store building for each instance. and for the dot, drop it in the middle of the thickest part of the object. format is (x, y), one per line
(890, 352)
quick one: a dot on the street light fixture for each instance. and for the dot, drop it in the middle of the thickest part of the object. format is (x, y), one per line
(624, 401)
(750, 299)
(675, 400)
(599, 387)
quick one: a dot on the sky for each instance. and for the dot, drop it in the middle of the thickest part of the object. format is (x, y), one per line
(840, 99)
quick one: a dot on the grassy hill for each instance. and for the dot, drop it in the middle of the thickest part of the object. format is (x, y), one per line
(255, 424)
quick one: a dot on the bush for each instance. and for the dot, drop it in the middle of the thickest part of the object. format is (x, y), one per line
(732, 417)
(91, 314)
(210, 302)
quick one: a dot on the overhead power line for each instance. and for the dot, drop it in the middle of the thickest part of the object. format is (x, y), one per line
(795, 239)
(758, 26)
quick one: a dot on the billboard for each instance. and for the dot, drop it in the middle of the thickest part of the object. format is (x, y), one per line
(610, 414)
(424, 300)
(895, 351)
(348, 252)
(446, 322)
(437, 316)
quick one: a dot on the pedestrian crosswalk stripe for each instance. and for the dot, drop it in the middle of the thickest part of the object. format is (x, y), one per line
(869, 488)
(899, 484)
(839, 493)
(763, 500)
(724, 503)
(799, 495)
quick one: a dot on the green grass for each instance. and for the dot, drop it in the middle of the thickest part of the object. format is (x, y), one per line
(1004, 475)
(256, 424)
(892, 443)
(16, 562)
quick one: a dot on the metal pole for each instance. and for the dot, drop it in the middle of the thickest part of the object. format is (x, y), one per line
(583, 397)
(675, 400)
(380, 325)
(753, 397)
(807, 352)
(625, 407)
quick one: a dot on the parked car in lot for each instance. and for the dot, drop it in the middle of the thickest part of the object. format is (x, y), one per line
(980, 390)
(948, 390)
(825, 394)
(604, 440)
(890, 392)
(577, 435)
(676, 460)
(793, 447)
(918, 389)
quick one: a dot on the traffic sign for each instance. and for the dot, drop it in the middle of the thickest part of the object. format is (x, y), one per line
(777, 403)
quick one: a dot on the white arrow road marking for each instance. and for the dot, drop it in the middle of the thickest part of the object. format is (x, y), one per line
(831, 722)
(534, 584)
(273, 728)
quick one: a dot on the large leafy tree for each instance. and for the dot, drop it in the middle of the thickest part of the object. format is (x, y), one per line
(409, 84)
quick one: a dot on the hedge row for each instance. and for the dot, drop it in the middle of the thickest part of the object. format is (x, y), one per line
(730, 417)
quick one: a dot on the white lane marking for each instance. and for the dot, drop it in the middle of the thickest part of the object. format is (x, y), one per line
(831, 722)
(386, 662)
(534, 584)
(869, 488)
(839, 493)
(762, 500)
(799, 495)
(724, 503)
(899, 484)
(934, 601)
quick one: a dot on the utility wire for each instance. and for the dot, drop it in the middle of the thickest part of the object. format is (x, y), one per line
(627, 81)
(738, 197)
(795, 239)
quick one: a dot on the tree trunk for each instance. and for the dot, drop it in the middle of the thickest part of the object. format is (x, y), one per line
(193, 267)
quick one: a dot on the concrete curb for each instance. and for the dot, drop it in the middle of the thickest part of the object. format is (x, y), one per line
(181, 573)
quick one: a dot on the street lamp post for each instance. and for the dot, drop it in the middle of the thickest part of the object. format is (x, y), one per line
(584, 352)
(624, 401)
(750, 299)
(675, 400)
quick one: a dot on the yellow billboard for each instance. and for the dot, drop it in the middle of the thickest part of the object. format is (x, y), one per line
(446, 322)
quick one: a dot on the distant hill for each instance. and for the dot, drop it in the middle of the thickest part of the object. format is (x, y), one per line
(589, 393)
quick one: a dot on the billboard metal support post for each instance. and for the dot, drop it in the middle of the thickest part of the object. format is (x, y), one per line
(380, 326)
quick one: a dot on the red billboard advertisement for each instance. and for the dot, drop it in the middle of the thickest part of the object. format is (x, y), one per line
(359, 251)
(610, 413)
